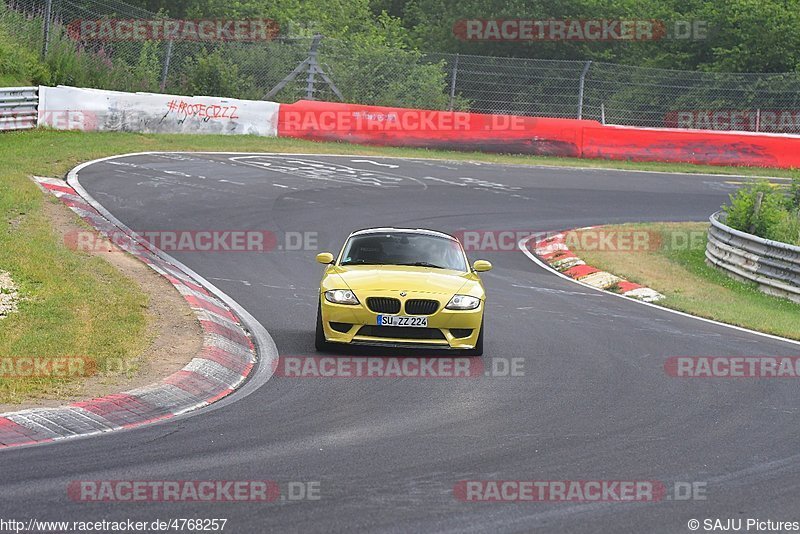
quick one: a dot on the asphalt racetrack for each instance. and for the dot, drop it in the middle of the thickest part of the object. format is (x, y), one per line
(593, 402)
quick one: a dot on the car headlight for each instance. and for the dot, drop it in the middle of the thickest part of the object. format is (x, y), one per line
(341, 296)
(463, 302)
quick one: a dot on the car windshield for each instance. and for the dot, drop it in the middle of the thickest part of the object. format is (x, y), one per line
(404, 248)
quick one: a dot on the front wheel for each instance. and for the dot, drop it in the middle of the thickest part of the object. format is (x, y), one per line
(319, 338)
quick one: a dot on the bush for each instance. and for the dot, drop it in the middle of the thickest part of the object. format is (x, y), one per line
(382, 76)
(778, 217)
(787, 228)
(19, 62)
(211, 74)
(147, 71)
(794, 197)
(19, 66)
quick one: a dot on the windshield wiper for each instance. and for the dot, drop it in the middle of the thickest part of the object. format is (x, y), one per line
(359, 262)
(423, 264)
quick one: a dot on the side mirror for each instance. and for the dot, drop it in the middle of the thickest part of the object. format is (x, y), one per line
(325, 257)
(481, 266)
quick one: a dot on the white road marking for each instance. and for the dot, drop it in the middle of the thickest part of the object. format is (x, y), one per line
(375, 163)
(557, 291)
(488, 184)
(311, 169)
(588, 170)
(245, 282)
(122, 163)
(480, 185)
(286, 287)
(449, 182)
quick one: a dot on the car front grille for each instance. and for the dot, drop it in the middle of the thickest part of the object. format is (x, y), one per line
(400, 332)
(421, 306)
(383, 304)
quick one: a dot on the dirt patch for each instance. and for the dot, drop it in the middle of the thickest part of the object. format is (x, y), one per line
(8, 295)
(172, 326)
(16, 221)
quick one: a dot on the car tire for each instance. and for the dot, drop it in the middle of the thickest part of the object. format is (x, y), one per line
(319, 338)
(478, 350)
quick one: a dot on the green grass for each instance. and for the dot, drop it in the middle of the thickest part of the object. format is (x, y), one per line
(78, 305)
(689, 285)
(73, 304)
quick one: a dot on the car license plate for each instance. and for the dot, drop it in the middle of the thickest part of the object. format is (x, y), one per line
(402, 320)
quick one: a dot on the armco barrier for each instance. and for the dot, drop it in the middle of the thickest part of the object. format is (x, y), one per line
(691, 146)
(774, 266)
(376, 125)
(18, 107)
(72, 108)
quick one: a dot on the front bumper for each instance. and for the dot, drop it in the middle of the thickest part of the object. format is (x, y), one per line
(357, 325)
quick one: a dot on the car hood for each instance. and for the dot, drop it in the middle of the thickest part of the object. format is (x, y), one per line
(404, 278)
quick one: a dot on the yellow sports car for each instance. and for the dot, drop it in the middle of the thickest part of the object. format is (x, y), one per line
(401, 287)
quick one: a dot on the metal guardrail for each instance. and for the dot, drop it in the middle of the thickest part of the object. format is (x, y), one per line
(18, 108)
(774, 266)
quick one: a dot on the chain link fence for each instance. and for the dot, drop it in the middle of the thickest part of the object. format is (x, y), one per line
(367, 74)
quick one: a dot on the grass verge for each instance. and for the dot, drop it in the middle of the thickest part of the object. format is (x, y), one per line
(78, 305)
(677, 269)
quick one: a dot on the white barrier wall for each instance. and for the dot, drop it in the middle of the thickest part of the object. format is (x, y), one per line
(72, 108)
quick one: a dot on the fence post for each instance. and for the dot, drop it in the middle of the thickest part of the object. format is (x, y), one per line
(580, 88)
(453, 83)
(603, 113)
(48, 8)
(165, 68)
(756, 211)
(312, 66)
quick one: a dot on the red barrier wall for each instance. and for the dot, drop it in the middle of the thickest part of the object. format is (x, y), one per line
(691, 146)
(376, 125)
